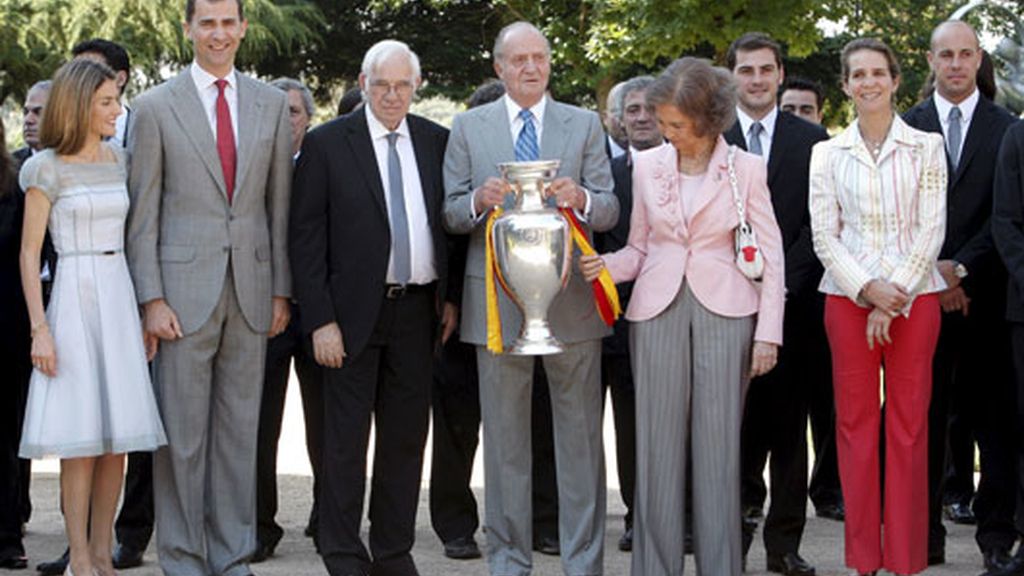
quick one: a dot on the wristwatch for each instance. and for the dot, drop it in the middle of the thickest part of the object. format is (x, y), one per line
(959, 270)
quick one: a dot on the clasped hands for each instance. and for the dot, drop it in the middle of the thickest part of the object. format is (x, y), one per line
(887, 299)
(566, 192)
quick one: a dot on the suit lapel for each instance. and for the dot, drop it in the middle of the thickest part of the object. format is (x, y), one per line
(735, 137)
(358, 134)
(980, 128)
(556, 129)
(425, 167)
(249, 109)
(188, 109)
(780, 142)
(500, 145)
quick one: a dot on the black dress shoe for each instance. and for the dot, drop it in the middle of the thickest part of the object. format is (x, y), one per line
(997, 559)
(14, 562)
(936, 556)
(835, 512)
(462, 548)
(263, 551)
(547, 545)
(1014, 567)
(126, 557)
(959, 513)
(55, 567)
(626, 541)
(790, 564)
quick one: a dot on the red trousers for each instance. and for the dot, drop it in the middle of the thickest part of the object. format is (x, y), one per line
(903, 547)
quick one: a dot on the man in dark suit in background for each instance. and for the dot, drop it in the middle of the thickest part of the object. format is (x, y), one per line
(637, 119)
(775, 419)
(369, 254)
(973, 365)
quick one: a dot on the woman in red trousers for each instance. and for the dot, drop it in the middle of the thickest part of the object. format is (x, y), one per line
(878, 213)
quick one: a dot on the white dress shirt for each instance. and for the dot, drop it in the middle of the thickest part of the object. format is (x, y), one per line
(207, 88)
(967, 107)
(421, 244)
(883, 219)
(120, 137)
(768, 130)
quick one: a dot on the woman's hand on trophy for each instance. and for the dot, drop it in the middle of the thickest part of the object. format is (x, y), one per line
(567, 194)
(490, 194)
(591, 266)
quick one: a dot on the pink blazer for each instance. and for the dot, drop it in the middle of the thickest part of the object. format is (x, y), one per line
(662, 249)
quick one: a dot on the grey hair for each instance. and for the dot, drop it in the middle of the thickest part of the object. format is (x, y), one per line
(383, 50)
(285, 84)
(499, 42)
(628, 87)
(615, 100)
(41, 85)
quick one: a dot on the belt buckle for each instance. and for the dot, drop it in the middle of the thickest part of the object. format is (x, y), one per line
(394, 291)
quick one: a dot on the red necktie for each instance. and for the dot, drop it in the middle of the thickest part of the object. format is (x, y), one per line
(225, 139)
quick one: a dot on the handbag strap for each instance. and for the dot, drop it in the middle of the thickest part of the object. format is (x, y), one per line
(730, 162)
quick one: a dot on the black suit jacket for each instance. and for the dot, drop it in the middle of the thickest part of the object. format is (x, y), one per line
(339, 235)
(616, 239)
(1008, 217)
(969, 201)
(789, 167)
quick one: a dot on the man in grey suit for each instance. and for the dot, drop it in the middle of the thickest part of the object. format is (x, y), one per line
(207, 250)
(527, 124)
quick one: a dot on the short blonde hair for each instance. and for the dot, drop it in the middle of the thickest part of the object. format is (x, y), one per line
(68, 114)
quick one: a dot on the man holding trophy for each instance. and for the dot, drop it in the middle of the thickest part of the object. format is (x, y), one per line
(527, 125)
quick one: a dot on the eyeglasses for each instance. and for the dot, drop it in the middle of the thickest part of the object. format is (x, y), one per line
(383, 87)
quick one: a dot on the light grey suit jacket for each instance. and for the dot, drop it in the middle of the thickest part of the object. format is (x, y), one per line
(479, 140)
(182, 233)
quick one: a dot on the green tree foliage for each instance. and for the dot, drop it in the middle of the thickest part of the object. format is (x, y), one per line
(36, 36)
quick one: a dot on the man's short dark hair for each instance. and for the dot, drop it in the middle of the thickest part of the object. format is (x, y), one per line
(115, 55)
(350, 100)
(805, 84)
(190, 9)
(750, 42)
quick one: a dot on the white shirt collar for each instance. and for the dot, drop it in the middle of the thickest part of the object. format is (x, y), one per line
(512, 108)
(379, 130)
(767, 123)
(967, 107)
(204, 79)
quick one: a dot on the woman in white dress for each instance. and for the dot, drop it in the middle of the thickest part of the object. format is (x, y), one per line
(90, 397)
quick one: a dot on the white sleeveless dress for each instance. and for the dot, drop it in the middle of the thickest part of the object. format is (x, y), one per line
(101, 400)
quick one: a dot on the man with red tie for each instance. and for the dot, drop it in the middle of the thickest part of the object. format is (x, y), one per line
(206, 244)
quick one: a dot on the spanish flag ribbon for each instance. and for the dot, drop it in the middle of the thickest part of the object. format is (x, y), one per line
(606, 296)
(494, 341)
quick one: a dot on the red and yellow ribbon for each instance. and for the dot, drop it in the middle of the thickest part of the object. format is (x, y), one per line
(606, 296)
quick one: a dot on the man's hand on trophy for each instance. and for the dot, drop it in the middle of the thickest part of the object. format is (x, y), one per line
(490, 194)
(328, 346)
(567, 194)
(591, 266)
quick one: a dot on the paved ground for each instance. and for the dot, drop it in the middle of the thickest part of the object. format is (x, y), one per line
(823, 542)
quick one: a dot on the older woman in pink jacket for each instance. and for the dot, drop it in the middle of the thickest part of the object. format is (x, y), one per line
(701, 328)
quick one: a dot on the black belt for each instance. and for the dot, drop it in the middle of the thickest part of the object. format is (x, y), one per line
(397, 291)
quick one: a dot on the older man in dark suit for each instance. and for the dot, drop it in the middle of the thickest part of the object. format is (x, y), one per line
(776, 413)
(370, 261)
(973, 360)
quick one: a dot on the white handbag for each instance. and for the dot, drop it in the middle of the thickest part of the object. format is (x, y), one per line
(748, 253)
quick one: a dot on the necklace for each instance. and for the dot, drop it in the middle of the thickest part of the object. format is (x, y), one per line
(875, 146)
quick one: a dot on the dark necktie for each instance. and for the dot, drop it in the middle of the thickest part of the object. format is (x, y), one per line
(225, 140)
(953, 139)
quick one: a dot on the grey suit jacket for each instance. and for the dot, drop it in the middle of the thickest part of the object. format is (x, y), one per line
(479, 140)
(182, 235)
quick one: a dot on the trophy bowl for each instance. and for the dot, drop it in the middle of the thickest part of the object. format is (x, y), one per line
(532, 248)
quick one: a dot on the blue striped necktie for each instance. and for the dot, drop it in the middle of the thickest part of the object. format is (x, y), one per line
(526, 144)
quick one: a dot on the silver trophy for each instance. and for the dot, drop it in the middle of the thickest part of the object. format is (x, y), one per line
(532, 250)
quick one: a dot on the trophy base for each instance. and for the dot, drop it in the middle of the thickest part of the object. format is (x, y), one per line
(535, 341)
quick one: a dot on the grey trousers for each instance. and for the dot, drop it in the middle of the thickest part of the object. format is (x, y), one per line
(691, 371)
(209, 387)
(506, 382)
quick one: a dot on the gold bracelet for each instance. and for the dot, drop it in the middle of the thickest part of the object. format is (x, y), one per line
(40, 326)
